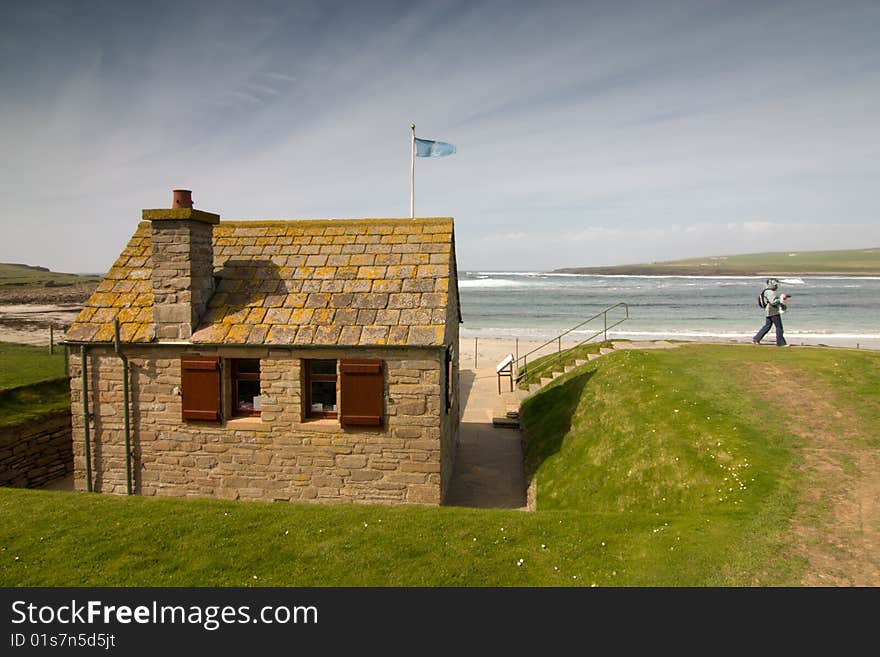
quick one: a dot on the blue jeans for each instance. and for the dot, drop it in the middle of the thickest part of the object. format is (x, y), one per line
(772, 320)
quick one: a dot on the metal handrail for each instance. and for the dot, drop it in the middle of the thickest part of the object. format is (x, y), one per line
(522, 369)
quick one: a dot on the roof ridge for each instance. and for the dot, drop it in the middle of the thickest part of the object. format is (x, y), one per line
(335, 221)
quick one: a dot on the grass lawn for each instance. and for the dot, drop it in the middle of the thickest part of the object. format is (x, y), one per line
(31, 383)
(672, 468)
(22, 364)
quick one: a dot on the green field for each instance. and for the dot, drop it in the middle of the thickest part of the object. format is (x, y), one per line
(32, 383)
(21, 364)
(855, 262)
(681, 467)
(24, 275)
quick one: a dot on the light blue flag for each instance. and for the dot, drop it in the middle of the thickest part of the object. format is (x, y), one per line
(429, 148)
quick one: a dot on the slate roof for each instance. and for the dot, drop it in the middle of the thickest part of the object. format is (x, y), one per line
(301, 282)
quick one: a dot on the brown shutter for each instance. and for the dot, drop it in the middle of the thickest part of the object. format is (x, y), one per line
(362, 392)
(200, 388)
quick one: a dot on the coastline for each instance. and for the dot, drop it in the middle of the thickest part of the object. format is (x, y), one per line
(495, 346)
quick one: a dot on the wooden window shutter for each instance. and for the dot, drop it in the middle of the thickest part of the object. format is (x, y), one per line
(200, 388)
(362, 392)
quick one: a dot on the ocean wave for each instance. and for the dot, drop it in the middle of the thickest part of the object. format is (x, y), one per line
(491, 282)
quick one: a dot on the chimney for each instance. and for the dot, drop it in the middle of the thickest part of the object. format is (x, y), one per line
(183, 265)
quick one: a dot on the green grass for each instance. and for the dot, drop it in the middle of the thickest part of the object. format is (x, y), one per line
(855, 261)
(22, 365)
(15, 274)
(19, 405)
(683, 439)
(32, 383)
(630, 493)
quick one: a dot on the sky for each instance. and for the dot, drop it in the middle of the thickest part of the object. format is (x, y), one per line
(587, 133)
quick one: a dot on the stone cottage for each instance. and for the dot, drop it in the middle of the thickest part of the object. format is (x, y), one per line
(271, 360)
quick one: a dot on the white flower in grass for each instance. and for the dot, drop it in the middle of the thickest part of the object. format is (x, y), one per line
(519, 563)
(543, 547)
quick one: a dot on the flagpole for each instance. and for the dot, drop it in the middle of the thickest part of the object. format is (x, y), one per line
(412, 173)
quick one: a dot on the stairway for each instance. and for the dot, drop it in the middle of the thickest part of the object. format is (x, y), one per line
(506, 411)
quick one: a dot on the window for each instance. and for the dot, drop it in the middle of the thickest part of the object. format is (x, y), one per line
(320, 388)
(245, 375)
(200, 388)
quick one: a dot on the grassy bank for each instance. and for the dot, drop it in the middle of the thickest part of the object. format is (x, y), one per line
(32, 383)
(704, 443)
(654, 468)
(855, 262)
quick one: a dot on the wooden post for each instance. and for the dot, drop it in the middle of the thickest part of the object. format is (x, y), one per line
(51, 339)
(475, 352)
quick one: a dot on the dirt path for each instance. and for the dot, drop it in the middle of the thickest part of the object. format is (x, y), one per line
(837, 524)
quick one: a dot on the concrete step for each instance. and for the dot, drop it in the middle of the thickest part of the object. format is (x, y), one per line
(593, 356)
(534, 387)
(605, 350)
(505, 422)
(578, 362)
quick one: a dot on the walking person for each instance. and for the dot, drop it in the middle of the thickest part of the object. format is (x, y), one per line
(774, 302)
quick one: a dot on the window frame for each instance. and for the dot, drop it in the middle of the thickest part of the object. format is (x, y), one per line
(234, 377)
(308, 378)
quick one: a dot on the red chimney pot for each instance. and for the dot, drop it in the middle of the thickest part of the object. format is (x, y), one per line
(182, 198)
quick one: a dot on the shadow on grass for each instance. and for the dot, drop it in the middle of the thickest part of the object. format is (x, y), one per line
(546, 420)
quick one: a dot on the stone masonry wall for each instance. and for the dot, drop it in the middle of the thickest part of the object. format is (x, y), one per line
(182, 275)
(274, 457)
(36, 452)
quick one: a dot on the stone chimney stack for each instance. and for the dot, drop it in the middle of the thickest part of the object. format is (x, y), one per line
(183, 265)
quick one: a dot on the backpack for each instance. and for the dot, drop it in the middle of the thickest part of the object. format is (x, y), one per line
(762, 300)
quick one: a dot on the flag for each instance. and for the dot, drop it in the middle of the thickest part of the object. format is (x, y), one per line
(429, 148)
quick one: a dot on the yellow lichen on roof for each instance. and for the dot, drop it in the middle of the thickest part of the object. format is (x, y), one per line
(319, 282)
(126, 294)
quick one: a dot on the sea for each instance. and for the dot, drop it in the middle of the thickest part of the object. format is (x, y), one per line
(829, 310)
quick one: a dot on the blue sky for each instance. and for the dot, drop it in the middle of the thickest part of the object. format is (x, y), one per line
(587, 133)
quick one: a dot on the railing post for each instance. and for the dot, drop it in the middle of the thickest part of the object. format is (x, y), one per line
(605, 331)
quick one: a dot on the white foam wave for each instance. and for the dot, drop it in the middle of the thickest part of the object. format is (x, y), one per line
(491, 282)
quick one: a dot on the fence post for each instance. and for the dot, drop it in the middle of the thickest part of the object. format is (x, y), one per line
(51, 339)
(475, 352)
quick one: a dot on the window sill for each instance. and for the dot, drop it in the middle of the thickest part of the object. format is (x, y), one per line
(244, 422)
(324, 425)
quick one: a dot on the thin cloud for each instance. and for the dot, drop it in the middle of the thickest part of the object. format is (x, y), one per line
(591, 134)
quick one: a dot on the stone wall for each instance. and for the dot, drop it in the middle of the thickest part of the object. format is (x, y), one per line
(182, 273)
(278, 456)
(36, 452)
